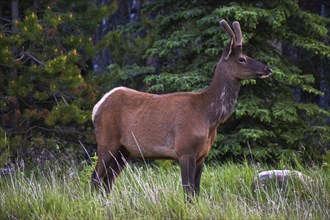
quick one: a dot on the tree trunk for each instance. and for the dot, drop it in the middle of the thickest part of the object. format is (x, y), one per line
(324, 101)
(14, 10)
(128, 11)
(103, 58)
(1, 8)
(13, 105)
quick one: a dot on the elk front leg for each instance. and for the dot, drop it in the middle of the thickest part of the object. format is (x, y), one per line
(198, 174)
(188, 166)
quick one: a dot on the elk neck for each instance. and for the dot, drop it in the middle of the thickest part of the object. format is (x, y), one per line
(221, 95)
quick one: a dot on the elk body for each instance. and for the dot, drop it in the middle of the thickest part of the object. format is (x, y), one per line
(180, 126)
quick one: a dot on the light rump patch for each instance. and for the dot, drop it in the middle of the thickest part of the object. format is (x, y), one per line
(99, 103)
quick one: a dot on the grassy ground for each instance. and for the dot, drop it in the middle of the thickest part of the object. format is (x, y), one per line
(149, 192)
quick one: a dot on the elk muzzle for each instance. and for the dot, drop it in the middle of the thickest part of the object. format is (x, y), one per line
(267, 72)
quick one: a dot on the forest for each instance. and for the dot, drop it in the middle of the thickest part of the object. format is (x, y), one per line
(58, 58)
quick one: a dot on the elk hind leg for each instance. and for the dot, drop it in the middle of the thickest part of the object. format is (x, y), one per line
(106, 157)
(117, 165)
(100, 171)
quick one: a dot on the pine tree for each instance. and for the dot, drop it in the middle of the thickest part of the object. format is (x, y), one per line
(45, 94)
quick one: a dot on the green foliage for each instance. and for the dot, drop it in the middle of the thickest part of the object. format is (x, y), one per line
(268, 123)
(46, 94)
(86, 174)
(47, 88)
(168, 82)
(5, 152)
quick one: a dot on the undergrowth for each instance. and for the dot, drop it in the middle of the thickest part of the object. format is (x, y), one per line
(151, 192)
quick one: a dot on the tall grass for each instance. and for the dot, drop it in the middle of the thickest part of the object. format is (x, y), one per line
(150, 192)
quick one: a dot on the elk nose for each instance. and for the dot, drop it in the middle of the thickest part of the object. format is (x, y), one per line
(268, 70)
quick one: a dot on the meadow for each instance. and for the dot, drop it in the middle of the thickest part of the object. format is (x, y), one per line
(155, 192)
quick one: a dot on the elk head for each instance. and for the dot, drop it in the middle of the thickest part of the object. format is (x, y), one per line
(242, 66)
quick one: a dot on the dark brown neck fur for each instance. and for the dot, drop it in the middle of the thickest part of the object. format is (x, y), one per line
(221, 95)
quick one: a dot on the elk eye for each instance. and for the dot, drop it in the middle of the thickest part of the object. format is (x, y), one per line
(242, 60)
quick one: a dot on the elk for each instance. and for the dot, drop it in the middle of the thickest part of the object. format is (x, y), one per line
(180, 126)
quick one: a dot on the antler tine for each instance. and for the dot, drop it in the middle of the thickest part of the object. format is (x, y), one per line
(238, 32)
(227, 28)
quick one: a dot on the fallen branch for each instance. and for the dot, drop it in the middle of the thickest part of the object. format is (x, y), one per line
(281, 178)
(29, 55)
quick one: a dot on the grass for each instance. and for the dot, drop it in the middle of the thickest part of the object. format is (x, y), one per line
(150, 192)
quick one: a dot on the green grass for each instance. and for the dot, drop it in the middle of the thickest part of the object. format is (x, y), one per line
(149, 192)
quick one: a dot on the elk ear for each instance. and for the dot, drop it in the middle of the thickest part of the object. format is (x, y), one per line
(228, 50)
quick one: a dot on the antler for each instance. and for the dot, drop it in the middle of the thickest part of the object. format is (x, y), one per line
(237, 36)
(225, 26)
(238, 32)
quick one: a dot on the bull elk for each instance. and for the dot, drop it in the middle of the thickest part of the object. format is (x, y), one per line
(181, 125)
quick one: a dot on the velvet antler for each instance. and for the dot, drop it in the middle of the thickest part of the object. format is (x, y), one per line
(225, 26)
(238, 32)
